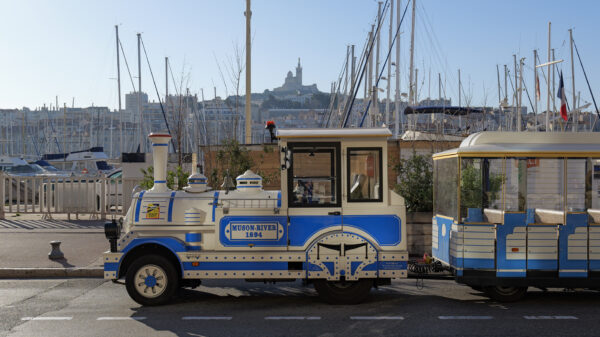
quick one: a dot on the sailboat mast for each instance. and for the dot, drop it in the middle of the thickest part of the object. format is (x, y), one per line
(248, 14)
(167, 86)
(139, 96)
(535, 86)
(369, 87)
(119, 93)
(397, 113)
(389, 67)
(515, 97)
(548, 81)
(376, 75)
(412, 55)
(459, 100)
(520, 94)
(574, 106)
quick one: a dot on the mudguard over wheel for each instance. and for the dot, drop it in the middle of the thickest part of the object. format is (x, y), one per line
(344, 292)
(506, 294)
(151, 280)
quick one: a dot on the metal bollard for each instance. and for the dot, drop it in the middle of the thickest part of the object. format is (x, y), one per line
(55, 254)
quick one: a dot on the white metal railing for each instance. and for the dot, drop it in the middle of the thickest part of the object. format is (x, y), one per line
(47, 195)
(249, 203)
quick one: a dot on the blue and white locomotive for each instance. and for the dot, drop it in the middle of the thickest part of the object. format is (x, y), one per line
(513, 210)
(335, 223)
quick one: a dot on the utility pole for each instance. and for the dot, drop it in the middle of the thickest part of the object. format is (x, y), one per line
(412, 55)
(397, 114)
(389, 67)
(248, 15)
(548, 81)
(119, 93)
(575, 113)
(139, 96)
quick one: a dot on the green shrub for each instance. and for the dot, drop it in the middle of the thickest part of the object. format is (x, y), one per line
(415, 184)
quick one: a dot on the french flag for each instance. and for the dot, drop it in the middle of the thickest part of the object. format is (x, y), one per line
(563, 98)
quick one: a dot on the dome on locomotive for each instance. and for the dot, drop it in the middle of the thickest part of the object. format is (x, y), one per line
(249, 182)
(197, 182)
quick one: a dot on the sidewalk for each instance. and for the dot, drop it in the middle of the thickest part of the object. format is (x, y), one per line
(25, 244)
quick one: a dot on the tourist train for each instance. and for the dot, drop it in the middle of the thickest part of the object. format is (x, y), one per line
(511, 210)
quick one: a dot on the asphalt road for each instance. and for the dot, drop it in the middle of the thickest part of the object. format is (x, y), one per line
(93, 307)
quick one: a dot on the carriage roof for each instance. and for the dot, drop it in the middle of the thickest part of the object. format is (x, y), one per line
(527, 144)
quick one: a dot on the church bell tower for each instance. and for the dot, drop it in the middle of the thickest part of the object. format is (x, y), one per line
(299, 73)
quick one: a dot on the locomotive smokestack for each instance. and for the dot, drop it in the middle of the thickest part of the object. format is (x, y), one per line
(160, 148)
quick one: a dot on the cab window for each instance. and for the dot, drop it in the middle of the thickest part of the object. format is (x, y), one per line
(313, 177)
(364, 175)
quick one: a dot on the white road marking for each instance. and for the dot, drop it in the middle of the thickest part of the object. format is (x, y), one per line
(292, 318)
(364, 318)
(550, 317)
(189, 318)
(122, 318)
(47, 318)
(465, 317)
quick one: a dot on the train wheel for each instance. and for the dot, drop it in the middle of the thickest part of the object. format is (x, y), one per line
(506, 294)
(151, 280)
(344, 292)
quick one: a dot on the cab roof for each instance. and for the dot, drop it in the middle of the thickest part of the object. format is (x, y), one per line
(334, 133)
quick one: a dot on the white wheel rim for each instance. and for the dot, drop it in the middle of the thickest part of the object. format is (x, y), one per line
(150, 281)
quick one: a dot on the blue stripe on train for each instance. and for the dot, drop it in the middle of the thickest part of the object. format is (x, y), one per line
(111, 266)
(236, 266)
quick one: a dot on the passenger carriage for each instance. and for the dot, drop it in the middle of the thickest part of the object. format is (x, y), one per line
(334, 223)
(513, 210)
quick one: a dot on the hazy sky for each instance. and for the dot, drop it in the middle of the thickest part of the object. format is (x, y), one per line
(67, 48)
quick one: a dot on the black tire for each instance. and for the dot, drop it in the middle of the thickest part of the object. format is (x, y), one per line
(344, 292)
(156, 268)
(477, 288)
(506, 294)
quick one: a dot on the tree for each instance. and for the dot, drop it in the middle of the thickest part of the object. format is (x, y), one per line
(234, 68)
(178, 176)
(415, 182)
(231, 159)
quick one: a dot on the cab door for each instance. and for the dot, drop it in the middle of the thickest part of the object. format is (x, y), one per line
(314, 191)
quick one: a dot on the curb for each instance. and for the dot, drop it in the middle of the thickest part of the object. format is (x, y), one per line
(6, 273)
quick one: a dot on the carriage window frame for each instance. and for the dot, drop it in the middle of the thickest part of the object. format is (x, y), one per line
(348, 173)
(336, 160)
